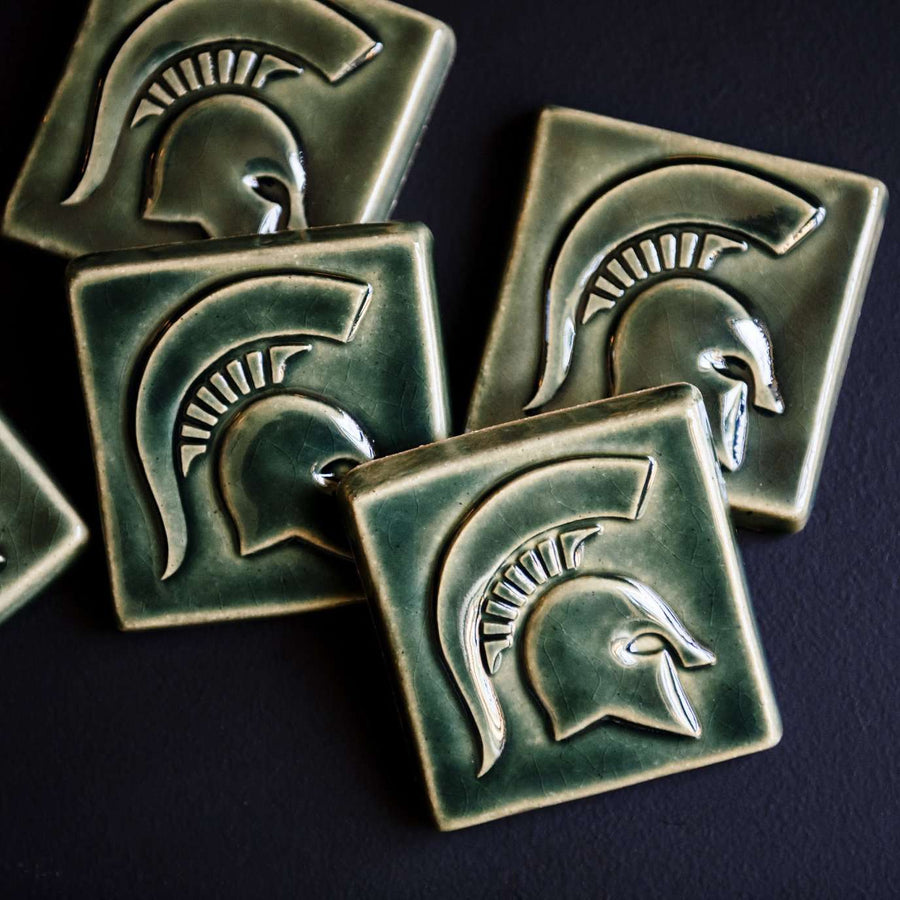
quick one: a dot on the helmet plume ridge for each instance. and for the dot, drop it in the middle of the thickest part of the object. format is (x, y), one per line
(208, 69)
(218, 393)
(645, 256)
(536, 563)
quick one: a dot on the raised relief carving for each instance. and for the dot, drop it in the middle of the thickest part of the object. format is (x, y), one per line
(223, 157)
(643, 253)
(607, 647)
(684, 329)
(595, 645)
(215, 386)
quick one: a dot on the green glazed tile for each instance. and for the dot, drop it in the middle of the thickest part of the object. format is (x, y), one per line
(643, 257)
(230, 385)
(40, 533)
(185, 119)
(564, 604)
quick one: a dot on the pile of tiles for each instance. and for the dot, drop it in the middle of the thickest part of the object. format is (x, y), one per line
(559, 589)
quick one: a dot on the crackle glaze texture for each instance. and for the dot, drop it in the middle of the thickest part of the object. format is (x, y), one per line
(189, 118)
(230, 386)
(643, 257)
(564, 604)
(264, 759)
(40, 533)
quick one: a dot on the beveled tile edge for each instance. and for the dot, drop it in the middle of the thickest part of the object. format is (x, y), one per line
(595, 410)
(549, 113)
(795, 517)
(449, 822)
(9, 228)
(437, 64)
(95, 267)
(65, 552)
(130, 623)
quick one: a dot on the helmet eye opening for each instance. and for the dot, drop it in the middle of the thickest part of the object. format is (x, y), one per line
(734, 367)
(272, 190)
(329, 475)
(646, 644)
(766, 396)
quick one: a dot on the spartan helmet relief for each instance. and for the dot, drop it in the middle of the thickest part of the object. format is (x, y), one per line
(517, 559)
(255, 187)
(215, 384)
(279, 465)
(674, 222)
(224, 158)
(602, 646)
(689, 330)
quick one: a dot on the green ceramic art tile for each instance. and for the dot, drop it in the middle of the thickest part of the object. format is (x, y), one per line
(564, 604)
(185, 119)
(643, 257)
(40, 533)
(230, 385)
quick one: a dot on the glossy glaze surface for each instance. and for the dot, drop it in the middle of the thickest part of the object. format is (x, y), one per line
(643, 257)
(210, 118)
(230, 386)
(564, 604)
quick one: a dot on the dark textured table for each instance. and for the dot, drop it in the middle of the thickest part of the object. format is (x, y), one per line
(266, 759)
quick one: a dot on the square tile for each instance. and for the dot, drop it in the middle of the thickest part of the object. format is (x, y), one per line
(192, 118)
(564, 604)
(230, 385)
(40, 533)
(643, 257)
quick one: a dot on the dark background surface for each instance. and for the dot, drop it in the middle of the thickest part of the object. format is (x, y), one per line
(265, 759)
